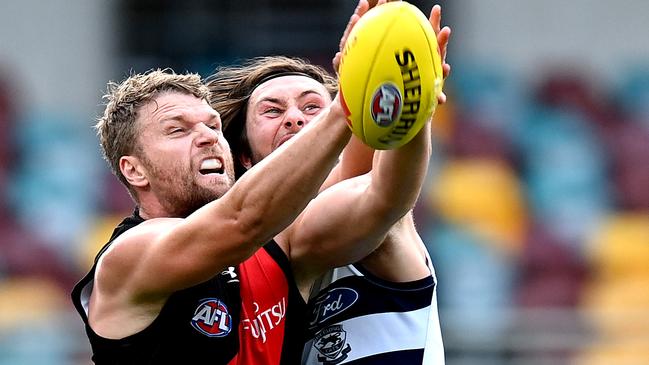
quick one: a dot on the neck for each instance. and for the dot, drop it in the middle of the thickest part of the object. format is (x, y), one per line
(151, 208)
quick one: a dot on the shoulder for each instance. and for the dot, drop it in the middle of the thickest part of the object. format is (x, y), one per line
(140, 236)
(128, 248)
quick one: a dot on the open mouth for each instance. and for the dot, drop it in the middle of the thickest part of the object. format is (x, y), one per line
(211, 166)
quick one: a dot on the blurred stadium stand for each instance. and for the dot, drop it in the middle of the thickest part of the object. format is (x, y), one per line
(536, 213)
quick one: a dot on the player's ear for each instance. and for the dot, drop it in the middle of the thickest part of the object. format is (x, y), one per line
(133, 170)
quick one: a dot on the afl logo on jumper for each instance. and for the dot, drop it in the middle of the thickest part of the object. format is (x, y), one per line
(386, 104)
(212, 319)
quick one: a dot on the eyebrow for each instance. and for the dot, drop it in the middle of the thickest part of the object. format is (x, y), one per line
(175, 117)
(279, 101)
(179, 117)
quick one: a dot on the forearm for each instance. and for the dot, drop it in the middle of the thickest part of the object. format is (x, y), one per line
(397, 175)
(355, 160)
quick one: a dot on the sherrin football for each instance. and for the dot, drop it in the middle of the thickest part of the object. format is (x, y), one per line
(390, 75)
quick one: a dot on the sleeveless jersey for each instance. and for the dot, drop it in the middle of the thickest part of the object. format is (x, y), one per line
(251, 314)
(359, 319)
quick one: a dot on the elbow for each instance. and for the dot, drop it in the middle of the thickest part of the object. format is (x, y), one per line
(243, 240)
(253, 227)
(248, 227)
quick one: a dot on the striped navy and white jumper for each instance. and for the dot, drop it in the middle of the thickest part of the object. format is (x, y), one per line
(357, 318)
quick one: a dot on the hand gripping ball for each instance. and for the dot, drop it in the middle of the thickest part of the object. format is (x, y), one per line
(390, 75)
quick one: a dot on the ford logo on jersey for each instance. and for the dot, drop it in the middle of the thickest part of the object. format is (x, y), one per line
(331, 303)
(212, 318)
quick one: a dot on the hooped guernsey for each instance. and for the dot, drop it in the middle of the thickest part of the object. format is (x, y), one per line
(356, 318)
(251, 314)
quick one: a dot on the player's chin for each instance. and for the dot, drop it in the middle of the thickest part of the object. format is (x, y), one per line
(215, 180)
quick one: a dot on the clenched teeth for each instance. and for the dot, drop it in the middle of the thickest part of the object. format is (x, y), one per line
(211, 164)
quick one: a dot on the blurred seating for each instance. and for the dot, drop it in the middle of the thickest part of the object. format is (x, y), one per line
(474, 235)
(96, 237)
(629, 173)
(488, 94)
(35, 278)
(56, 182)
(32, 313)
(551, 275)
(617, 300)
(114, 204)
(633, 93)
(443, 123)
(22, 253)
(472, 139)
(619, 255)
(475, 292)
(564, 169)
(483, 196)
(29, 300)
(543, 206)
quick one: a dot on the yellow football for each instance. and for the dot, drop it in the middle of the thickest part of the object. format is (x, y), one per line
(390, 75)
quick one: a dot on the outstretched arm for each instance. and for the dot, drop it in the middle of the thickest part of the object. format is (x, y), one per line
(401, 256)
(348, 221)
(160, 256)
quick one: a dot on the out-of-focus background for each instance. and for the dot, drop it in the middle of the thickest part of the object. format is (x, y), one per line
(537, 209)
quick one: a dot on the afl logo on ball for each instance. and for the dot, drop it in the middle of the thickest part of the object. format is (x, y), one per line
(386, 104)
(212, 319)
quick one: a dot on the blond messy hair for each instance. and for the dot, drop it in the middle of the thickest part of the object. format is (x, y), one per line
(231, 87)
(117, 128)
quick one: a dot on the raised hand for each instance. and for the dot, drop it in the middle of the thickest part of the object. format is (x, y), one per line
(443, 35)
